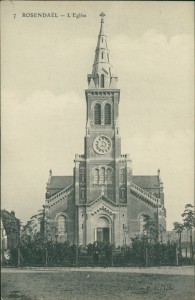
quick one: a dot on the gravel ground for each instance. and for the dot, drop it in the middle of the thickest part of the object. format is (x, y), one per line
(97, 283)
(185, 270)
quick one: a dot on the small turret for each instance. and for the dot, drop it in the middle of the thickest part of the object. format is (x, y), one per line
(159, 175)
(48, 184)
(49, 179)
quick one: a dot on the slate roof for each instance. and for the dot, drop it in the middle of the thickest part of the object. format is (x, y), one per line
(146, 182)
(60, 182)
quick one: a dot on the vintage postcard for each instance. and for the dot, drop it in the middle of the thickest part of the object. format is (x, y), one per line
(97, 150)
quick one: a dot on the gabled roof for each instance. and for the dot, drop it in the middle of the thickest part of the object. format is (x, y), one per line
(146, 182)
(102, 198)
(60, 182)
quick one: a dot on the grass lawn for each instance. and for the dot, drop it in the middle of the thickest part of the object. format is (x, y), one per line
(95, 285)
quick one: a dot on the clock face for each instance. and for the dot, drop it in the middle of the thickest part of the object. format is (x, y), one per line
(102, 144)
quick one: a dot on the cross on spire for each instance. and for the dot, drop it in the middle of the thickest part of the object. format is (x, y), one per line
(102, 14)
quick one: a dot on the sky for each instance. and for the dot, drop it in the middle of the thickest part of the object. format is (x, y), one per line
(44, 67)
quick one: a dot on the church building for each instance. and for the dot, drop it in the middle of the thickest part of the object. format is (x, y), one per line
(103, 200)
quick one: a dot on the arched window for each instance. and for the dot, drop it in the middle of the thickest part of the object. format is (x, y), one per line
(82, 194)
(122, 175)
(96, 176)
(109, 176)
(122, 194)
(102, 80)
(82, 175)
(107, 114)
(102, 175)
(61, 225)
(97, 114)
(102, 55)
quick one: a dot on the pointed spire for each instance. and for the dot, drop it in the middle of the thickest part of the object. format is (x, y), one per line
(101, 76)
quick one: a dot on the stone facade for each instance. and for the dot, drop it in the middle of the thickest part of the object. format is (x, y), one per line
(102, 201)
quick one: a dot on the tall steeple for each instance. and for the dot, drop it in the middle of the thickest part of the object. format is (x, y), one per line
(102, 76)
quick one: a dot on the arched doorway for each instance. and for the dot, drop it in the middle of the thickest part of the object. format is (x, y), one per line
(102, 232)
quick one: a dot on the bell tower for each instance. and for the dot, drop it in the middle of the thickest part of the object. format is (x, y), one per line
(102, 171)
(102, 141)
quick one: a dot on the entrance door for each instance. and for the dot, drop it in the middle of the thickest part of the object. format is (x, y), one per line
(106, 235)
(103, 234)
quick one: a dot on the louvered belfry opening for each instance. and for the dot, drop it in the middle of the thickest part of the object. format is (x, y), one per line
(107, 114)
(97, 114)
